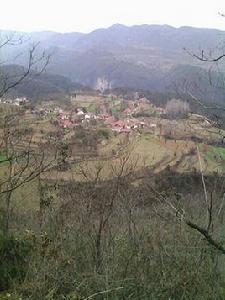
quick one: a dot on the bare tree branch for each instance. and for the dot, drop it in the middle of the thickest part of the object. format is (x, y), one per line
(203, 57)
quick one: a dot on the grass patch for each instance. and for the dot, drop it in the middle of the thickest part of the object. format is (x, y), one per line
(147, 136)
(216, 154)
(93, 108)
(2, 157)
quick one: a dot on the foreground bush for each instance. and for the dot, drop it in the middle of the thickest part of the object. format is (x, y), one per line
(14, 253)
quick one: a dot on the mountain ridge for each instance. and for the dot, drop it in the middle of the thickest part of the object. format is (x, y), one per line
(137, 57)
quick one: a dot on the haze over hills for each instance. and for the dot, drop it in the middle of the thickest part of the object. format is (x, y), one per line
(36, 85)
(149, 57)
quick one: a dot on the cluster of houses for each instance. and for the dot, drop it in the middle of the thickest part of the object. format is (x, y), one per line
(15, 101)
(125, 124)
(142, 105)
(80, 116)
(75, 117)
(129, 123)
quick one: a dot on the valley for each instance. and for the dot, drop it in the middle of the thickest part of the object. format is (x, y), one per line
(112, 162)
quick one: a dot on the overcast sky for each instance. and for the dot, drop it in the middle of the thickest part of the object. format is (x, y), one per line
(87, 15)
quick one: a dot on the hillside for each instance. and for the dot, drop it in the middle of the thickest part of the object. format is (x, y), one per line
(37, 85)
(149, 57)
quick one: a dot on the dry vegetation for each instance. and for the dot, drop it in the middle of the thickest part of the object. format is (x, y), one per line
(141, 218)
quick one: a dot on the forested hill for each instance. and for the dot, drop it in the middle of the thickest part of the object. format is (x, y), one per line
(37, 85)
(150, 57)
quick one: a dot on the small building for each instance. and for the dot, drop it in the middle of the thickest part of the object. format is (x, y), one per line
(64, 116)
(80, 110)
(160, 110)
(66, 124)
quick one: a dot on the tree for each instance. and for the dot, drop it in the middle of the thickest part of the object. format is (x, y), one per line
(20, 162)
(176, 108)
(213, 206)
(36, 59)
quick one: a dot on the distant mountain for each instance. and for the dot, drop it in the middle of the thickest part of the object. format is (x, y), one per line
(150, 57)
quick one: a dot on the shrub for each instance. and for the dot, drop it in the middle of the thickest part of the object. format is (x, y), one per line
(104, 133)
(13, 260)
(177, 108)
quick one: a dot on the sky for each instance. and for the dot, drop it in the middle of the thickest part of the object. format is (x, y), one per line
(88, 15)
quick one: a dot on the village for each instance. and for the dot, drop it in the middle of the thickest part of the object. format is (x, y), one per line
(18, 101)
(121, 116)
